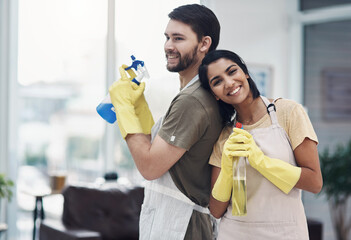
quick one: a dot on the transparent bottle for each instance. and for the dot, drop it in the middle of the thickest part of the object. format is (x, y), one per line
(239, 194)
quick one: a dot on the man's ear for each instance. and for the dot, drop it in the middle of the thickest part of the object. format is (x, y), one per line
(206, 44)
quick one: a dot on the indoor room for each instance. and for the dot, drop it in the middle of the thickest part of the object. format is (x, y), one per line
(68, 173)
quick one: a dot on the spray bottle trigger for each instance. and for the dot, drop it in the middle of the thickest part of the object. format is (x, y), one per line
(135, 63)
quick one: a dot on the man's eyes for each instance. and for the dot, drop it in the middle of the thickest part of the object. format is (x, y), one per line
(174, 38)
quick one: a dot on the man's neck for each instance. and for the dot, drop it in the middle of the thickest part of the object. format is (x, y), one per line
(188, 74)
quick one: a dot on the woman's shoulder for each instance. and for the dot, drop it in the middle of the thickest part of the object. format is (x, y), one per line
(286, 105)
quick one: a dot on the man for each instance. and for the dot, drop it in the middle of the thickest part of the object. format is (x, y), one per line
(176, 161)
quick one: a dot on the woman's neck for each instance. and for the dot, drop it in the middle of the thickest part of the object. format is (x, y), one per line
(250, 111)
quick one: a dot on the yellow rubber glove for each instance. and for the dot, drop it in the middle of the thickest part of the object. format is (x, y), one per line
(223, 187)
(142, 109)
(123, 97)
(280, 173)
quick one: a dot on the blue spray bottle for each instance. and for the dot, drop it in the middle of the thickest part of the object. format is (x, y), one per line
(105, 109)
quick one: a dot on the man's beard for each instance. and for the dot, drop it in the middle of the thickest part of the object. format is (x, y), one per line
(184, 62)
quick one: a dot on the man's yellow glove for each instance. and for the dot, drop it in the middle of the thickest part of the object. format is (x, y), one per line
(123, 97)
(142, 109)
(223, 187)
(280, 173)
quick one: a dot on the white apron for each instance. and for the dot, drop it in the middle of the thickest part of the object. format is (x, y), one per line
(166, 211)
(271, 214)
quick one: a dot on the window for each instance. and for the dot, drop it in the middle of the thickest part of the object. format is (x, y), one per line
(315, 4)
(61, 75)
(66, 61)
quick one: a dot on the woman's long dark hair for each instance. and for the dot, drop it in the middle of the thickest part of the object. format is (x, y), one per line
(227, 111)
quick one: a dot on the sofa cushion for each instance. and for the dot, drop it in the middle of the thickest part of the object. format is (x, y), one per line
(55, 230)
(113, 212)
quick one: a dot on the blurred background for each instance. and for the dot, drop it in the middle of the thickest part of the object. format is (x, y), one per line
(58, 57)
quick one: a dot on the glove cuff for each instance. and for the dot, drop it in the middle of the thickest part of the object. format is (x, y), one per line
(146, 120)
(222, 189)
(128, 122)
(280, 173)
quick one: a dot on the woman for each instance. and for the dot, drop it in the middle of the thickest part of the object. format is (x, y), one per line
(281, 149)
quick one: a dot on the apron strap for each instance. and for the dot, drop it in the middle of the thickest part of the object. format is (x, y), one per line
(271, 110)
(175, 194)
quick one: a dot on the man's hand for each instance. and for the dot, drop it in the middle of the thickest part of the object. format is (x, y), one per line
(124, 94)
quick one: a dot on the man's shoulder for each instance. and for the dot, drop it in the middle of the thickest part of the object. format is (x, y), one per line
(196, 91)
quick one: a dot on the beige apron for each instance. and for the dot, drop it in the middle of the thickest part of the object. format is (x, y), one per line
(166, 211)
(271, 214)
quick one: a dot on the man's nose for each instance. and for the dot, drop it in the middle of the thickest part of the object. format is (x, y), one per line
(169, 45)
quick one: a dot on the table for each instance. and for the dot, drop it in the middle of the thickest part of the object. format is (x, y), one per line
(38, 212)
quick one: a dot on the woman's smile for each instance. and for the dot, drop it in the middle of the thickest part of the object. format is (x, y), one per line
(234, 91)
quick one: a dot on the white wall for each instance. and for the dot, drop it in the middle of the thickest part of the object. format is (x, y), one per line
(259, 32)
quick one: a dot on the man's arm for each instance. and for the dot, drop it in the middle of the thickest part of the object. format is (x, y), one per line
(152, 160)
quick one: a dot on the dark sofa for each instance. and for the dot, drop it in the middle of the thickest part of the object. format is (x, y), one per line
(96, 214)
(108, 214)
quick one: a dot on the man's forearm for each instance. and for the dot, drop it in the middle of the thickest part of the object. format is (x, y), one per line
(139, 146)
(152, 160)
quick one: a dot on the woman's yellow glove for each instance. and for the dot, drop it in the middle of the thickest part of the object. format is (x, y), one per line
(124, 97)
(280, 173)
(222, 189)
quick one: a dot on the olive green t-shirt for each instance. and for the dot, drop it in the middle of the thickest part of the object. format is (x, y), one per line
(193, 122)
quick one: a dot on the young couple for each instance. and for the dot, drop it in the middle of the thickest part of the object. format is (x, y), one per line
(173, 154)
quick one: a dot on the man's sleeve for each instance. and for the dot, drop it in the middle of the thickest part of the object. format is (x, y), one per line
(185, 122)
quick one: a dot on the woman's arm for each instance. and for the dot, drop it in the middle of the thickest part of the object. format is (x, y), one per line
(306, 156)
(217, 208)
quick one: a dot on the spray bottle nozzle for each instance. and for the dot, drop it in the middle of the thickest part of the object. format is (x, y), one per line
(135, 63)
(239, 125)
(140, 68)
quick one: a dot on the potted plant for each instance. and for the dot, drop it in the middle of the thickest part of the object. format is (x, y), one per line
(336, 168)
(5, 187)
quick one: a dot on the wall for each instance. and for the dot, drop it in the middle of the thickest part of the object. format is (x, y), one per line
(328, 49)
(259, 32)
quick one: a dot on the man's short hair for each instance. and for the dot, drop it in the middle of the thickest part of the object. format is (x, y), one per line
(201, 20)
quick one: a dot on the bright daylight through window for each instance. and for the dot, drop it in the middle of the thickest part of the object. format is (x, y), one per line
(63, 68)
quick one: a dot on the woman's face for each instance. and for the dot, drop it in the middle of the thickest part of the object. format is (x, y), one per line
(228, 82)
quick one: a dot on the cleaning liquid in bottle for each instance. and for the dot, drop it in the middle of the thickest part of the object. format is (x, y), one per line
(239, 194)
(105, 109)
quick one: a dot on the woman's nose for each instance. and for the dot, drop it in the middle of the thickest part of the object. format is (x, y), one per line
(228, 82)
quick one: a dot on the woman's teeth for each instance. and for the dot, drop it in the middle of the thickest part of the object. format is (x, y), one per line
(235, 91)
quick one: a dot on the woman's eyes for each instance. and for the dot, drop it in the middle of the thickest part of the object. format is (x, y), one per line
(217, 82)
(231, 71)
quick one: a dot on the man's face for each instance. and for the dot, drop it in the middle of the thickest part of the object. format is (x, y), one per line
(181, 46)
